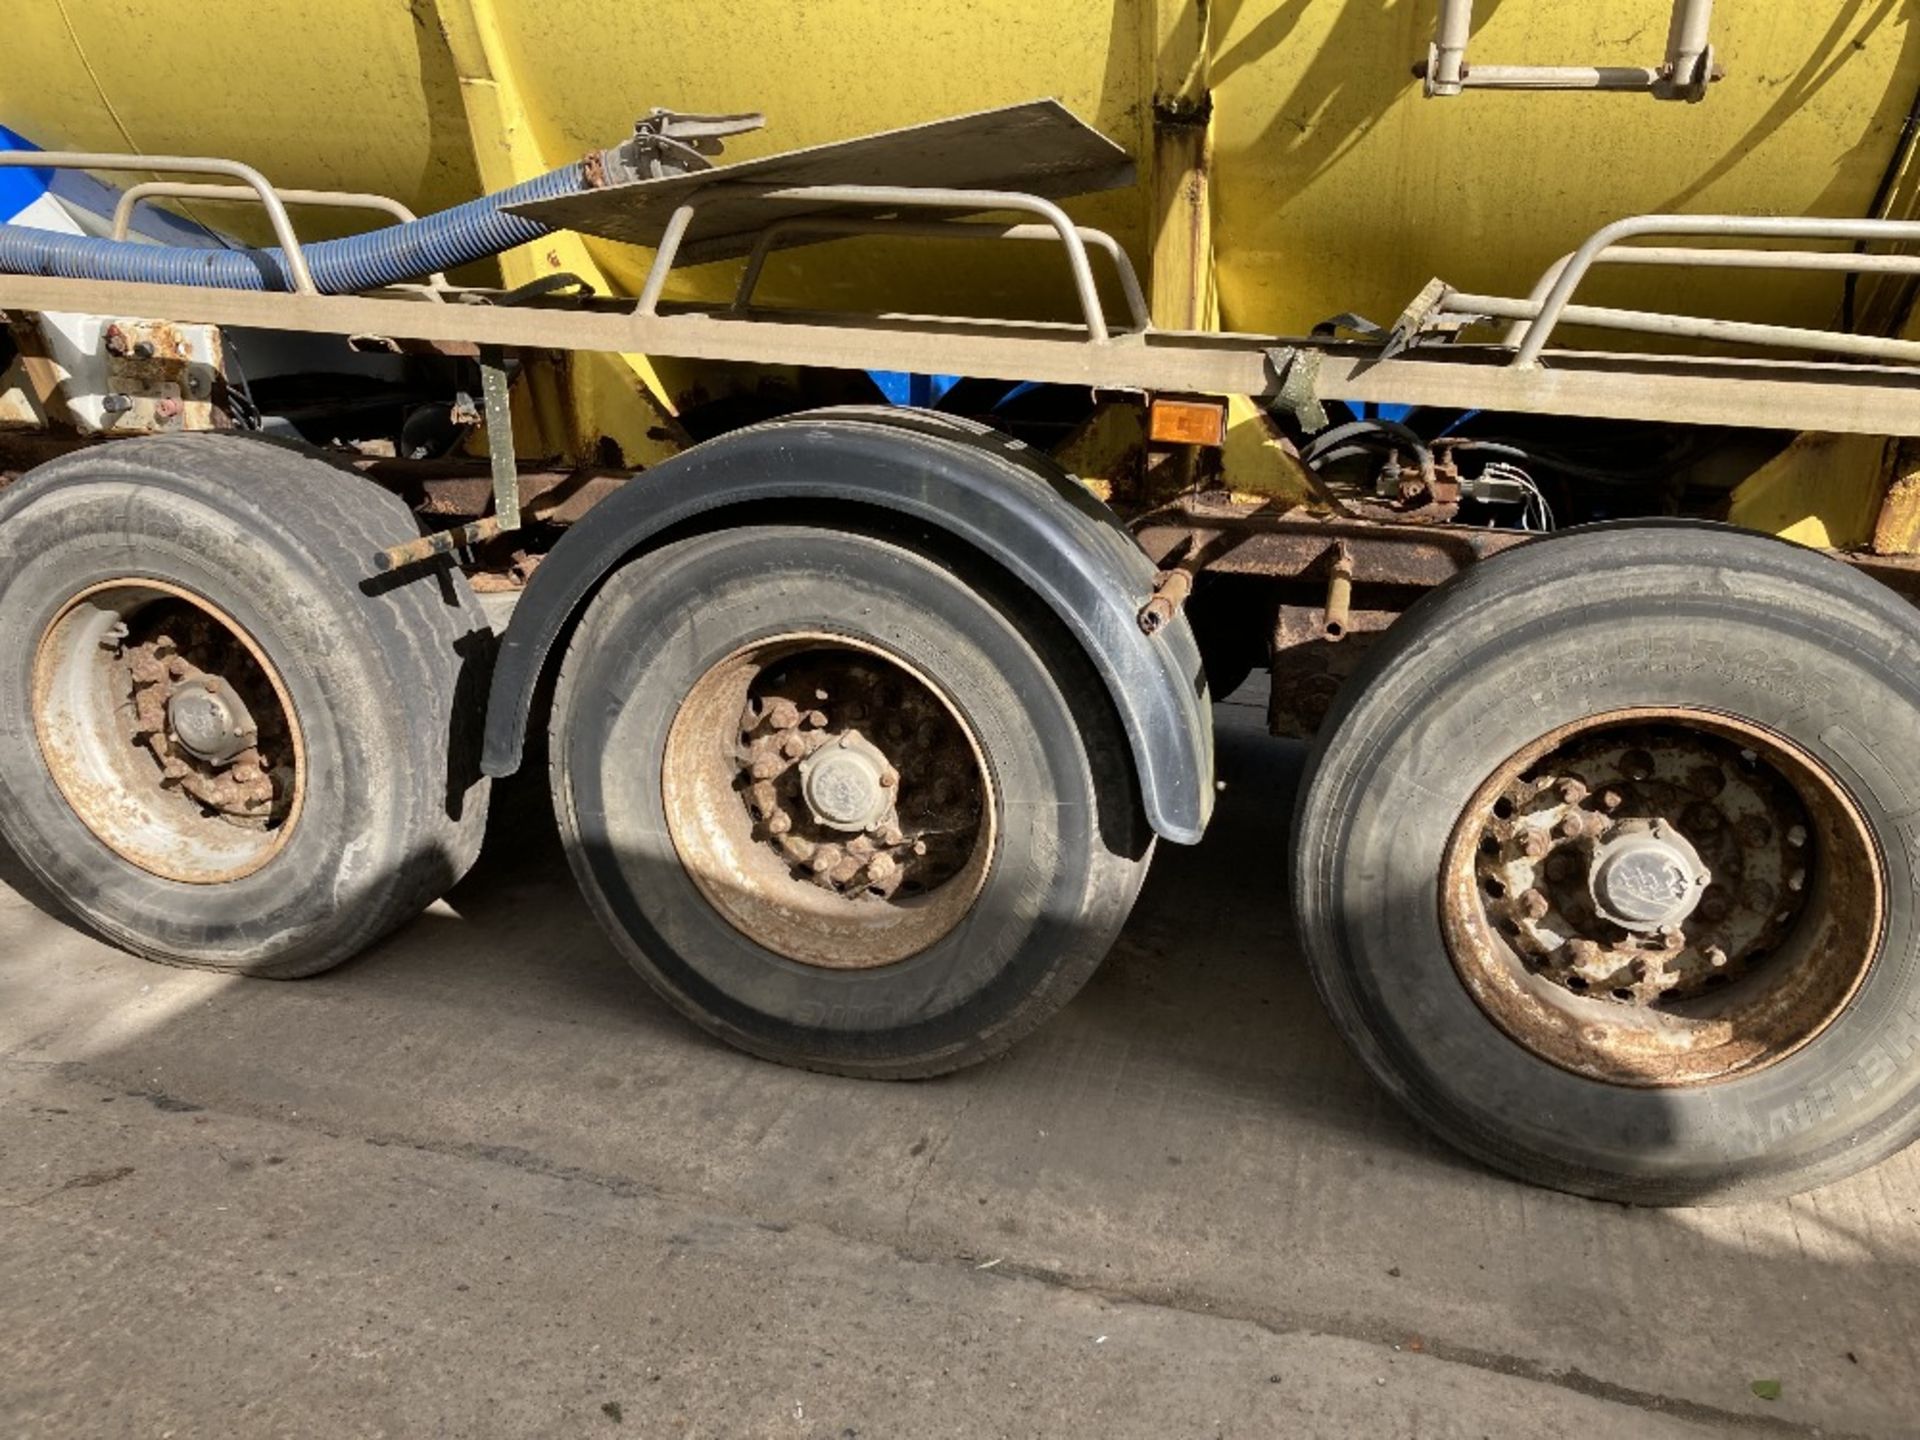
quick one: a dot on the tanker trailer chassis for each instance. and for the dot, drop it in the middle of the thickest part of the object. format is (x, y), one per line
(862, 723)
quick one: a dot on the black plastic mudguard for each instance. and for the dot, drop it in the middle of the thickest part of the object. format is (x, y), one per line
(993, 494)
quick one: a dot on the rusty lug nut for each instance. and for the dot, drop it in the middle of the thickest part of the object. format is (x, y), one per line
(1572, 792)
(1611, 799)
(1707, 780)
(826, 858)
(1533, 905)
(779, 823)
(1582, 952)
(1702, 818)
(1573, 827)
(891, 835)
(817, 719)
(1535, 843)
(882, 868)
(919, 847)
(783, 714)
(761, 797)
(793, 747)
(766, 767)
(861, 846)
(844, 872)
(1716, 957)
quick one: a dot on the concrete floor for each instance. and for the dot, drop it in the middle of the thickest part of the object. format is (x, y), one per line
(480, 1183)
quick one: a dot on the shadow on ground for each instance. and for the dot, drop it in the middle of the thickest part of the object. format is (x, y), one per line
(1189, 1132)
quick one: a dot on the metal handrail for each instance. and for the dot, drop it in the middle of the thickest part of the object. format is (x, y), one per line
(339, 199)
(828, 225)
(888, 197)
(1692, 257)
(1688, 327)
(189, 165)
(1685, 73)
(1546, 313)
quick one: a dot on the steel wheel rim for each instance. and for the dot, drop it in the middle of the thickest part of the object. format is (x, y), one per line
(804, 831)
(1674, 950)
(113, 691)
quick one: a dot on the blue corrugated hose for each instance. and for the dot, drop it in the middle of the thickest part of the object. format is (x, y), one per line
(443, 241)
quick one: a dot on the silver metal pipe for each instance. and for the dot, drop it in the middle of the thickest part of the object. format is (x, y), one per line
(1693, 257)
(198, 190)
(1688, 47)
(663, 257)
(184, 165)
(1689, 327)
(892, 197)
(1560, 292)
(906, 196)
(203, 190)
(825, 225)
(1561, 77)
(1447, 59)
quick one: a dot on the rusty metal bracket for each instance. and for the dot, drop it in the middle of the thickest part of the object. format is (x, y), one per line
(1170, 591)
(506, 478)
(429, 547)
(1298, 372)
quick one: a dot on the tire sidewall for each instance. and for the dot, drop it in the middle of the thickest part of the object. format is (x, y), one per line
(636, 649)
(1476, 686)
(83, 532)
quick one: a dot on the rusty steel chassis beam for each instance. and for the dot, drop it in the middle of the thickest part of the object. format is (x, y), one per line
(1350, 553)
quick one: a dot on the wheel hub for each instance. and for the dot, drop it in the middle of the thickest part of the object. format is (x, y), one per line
(848, 784)
(168, 731)
(210, 720)
(829, 800)
(846, 817)
(1646, 880)
(1661, 897)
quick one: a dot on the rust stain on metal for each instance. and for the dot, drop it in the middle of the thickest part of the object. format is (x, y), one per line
(1298, 544)
(1662, 897)
(129, 648)
(829, 802)
(1170, 592)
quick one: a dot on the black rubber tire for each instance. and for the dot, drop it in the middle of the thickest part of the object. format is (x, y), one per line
(387, 678)
(1072, 847)
(1593, 620)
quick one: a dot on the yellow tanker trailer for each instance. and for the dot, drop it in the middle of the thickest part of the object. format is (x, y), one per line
(856, 473)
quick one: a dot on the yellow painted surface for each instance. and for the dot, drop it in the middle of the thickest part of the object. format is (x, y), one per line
(1331, 184)
(1822, 490)
(1334, 185)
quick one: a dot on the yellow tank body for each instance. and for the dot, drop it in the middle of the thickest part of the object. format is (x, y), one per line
(1325, 181)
